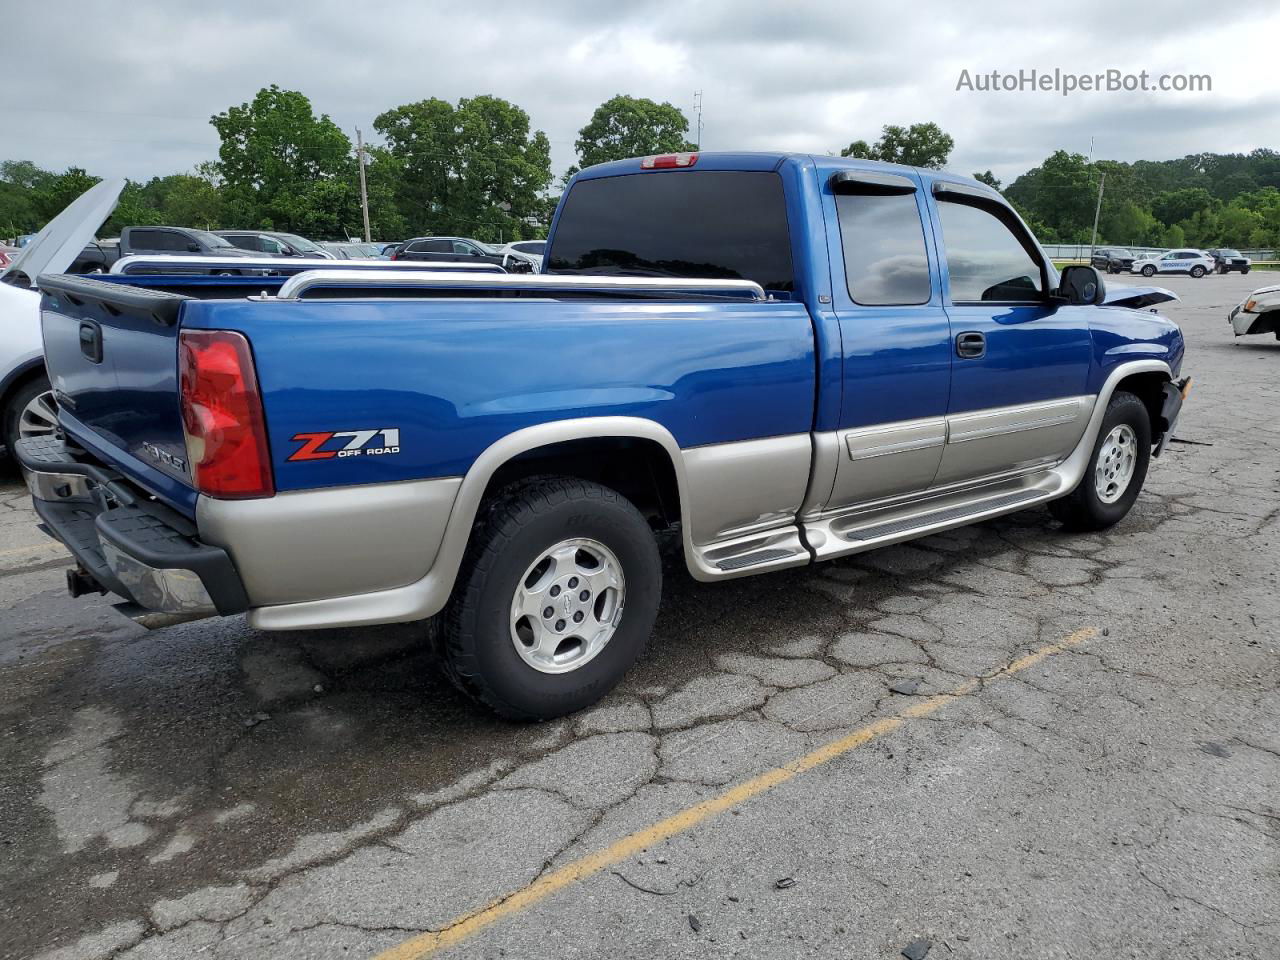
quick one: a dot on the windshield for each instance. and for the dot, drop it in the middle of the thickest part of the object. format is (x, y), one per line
(300, 243)
(1230, 253)
(212, 239)
(1121, 253)
(532, 246)
(704, 225)
(484, 247)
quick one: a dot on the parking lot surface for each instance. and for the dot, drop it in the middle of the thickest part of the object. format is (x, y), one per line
(1104, 781)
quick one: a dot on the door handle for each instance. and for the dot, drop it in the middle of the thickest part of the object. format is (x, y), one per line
(91, 341)
(971, 345)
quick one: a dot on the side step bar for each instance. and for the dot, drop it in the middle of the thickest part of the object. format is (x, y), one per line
(1010, 501)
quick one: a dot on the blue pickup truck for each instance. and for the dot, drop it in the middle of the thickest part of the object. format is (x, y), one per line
(784, 358)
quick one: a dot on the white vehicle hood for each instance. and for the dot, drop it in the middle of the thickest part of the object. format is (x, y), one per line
(1136, 297)
(56, 247)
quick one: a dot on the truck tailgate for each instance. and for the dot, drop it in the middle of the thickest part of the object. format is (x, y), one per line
(111, 351)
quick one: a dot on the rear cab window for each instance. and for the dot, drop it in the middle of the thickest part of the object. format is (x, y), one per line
(705, 224)
(882, 235)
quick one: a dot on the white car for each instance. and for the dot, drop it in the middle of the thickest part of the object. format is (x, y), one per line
(1195, 262)
(529, 249)
(27, 406)
(1260, 313)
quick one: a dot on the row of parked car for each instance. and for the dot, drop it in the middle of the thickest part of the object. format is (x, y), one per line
(1186, 260)
(523, 256)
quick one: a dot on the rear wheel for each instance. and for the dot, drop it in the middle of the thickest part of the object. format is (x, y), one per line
(555, 600)
(1116, 471)
(1148, 271)
(32, 412)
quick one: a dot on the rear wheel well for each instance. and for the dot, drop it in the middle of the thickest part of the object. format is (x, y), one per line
(639, 469)
(1149, 388)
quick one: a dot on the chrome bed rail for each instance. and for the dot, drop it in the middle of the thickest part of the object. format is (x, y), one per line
(295, 286)
(180, 264)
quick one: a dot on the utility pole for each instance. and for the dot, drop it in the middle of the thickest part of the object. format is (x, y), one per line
(1096, 211)
(364, 189)
(697, 106)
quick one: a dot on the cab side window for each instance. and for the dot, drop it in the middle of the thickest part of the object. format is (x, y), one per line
(885, 263)
(987, 262)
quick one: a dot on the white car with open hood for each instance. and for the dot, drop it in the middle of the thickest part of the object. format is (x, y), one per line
(1260, 313)
(27, 406)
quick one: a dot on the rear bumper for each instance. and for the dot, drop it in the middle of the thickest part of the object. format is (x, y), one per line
(130, 545)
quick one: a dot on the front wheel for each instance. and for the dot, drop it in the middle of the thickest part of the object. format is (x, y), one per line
(1148, 271)
(1197, 271)
(1244, 269)
(555, 600)
(1116, 471)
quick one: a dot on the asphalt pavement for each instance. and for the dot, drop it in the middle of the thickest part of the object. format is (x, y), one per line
(1004, 741)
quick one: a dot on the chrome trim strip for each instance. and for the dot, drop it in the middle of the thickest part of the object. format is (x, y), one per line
(1012, 419)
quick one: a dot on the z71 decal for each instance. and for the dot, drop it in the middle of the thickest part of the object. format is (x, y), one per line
(349, 443)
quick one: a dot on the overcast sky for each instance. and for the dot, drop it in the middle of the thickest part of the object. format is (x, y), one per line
(127, 88)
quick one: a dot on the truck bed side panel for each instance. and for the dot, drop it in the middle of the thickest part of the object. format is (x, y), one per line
(453, 376)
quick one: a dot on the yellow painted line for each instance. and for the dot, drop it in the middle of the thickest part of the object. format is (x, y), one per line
(428, 944)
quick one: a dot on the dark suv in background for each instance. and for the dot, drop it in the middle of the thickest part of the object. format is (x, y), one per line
(461, 250)
(274, 244)
(1225, 260)
(1112, 259)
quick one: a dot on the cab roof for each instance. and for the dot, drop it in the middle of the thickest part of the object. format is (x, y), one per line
(772, 160)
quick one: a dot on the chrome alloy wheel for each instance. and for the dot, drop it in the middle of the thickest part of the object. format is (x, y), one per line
(567, 606)
(1117, 458)
(39, 418)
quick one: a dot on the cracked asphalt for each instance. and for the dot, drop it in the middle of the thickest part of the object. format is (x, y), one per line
(212, 791)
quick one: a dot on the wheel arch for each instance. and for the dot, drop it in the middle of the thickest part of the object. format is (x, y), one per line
(577, 448)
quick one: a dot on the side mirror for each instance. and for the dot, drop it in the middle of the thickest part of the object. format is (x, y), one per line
(1081, 286)
(193, 247)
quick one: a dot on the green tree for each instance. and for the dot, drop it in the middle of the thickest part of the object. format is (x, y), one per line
(475, 168)
(988, 178)
(1178, 205)
(283, 167)
(52, 194)
(919, 145)
(1061, 193)
(18, 178)
(624, 126)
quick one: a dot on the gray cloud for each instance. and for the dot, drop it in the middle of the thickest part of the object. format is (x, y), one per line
(128, 89)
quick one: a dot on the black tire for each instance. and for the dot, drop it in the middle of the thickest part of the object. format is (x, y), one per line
(1244, 270)
(1197, 271)
(478, 649)
(1148, 271)
(1083, 508)
(18, 400)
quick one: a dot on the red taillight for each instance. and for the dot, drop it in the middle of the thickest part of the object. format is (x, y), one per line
(665, 161)
(222, 416)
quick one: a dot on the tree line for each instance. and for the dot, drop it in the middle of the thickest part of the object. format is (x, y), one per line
(477, 167)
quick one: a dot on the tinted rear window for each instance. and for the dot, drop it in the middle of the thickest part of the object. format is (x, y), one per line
(722, 225)
(884, 257)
